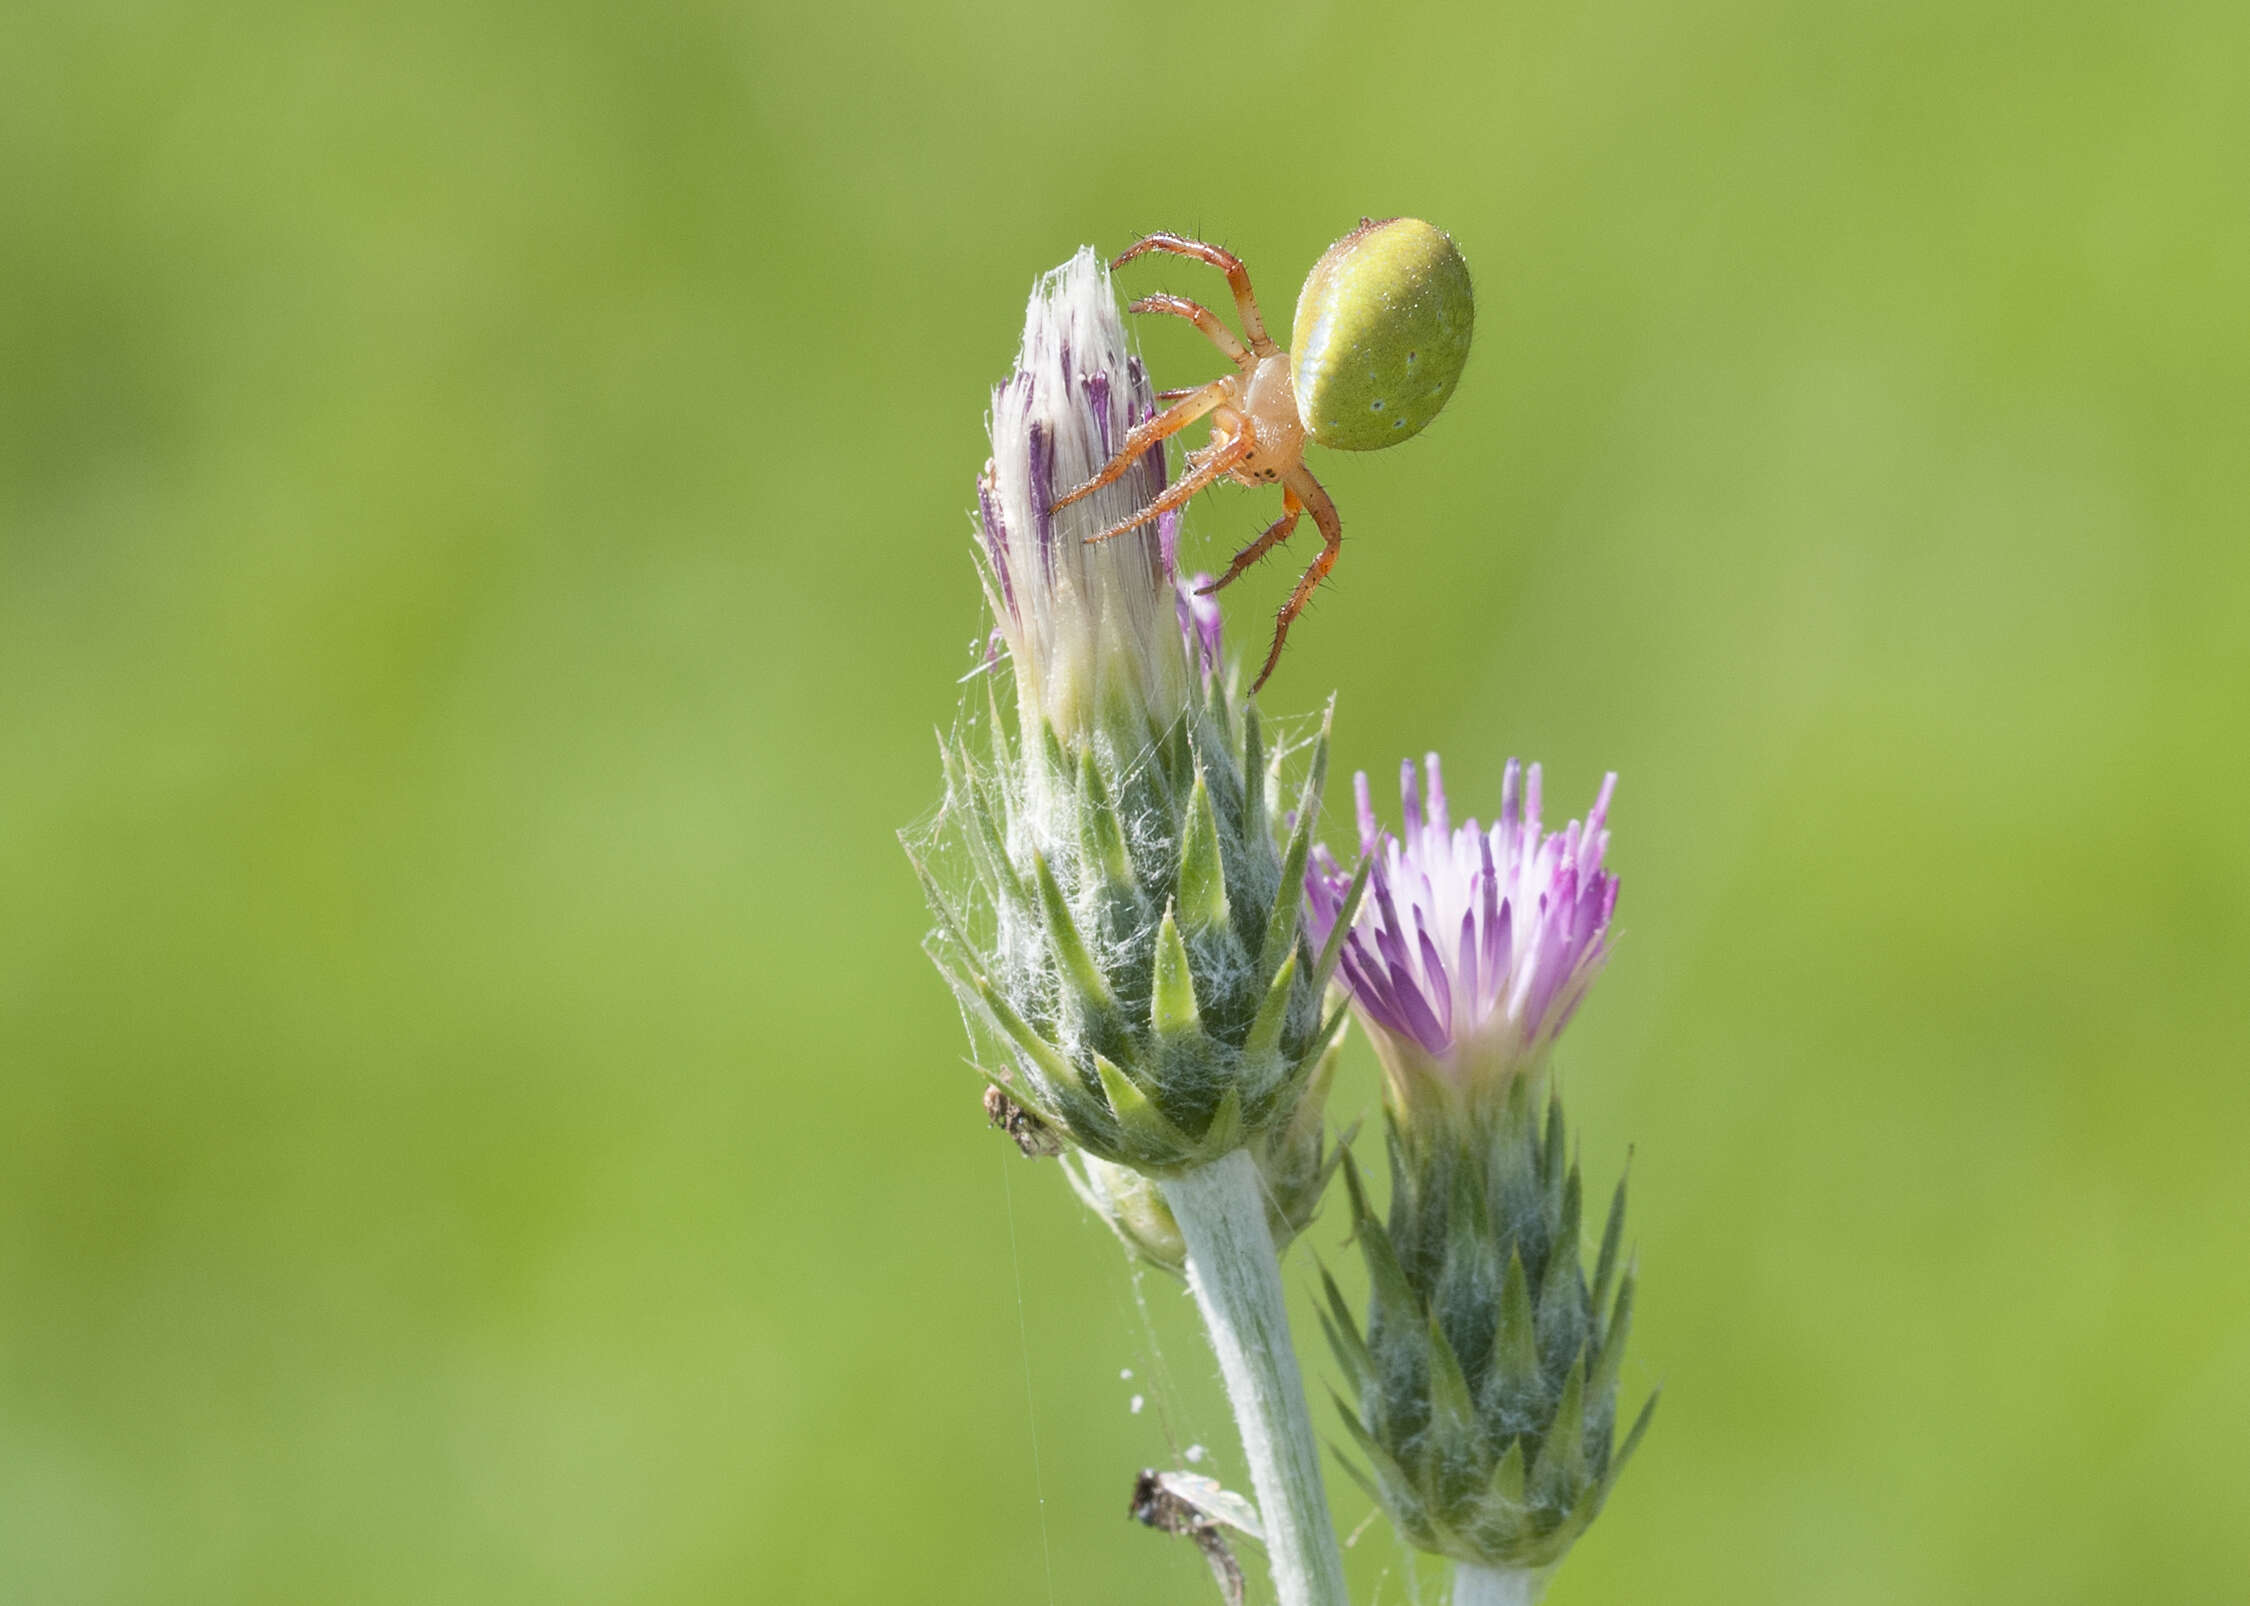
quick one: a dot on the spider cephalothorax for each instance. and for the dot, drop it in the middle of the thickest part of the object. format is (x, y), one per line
(1382, 331)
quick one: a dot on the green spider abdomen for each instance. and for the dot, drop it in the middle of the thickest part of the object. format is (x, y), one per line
(1382, 333)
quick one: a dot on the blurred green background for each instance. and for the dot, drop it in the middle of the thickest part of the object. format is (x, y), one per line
(483, 549)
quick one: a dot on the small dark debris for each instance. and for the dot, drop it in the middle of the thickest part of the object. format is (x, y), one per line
(1034, 1136)
(1155, 1506)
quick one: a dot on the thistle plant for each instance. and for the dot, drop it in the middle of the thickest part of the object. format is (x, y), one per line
(1485, 1380)
(1155, 960)
(1127, 941)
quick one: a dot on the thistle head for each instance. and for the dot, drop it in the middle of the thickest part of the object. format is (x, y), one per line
(1485, 1378)
(1474, 945)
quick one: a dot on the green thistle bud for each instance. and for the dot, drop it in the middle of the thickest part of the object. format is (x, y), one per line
(1117, 913)
(1487, 1374)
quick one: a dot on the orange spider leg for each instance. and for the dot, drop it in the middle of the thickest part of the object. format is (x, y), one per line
(1276, 533)
(1223, 456)
(1238, 280)
(1148, 432)
(1332, 536)
(1203, 318)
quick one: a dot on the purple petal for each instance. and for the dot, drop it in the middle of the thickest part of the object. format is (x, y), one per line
(1043, 493)
(1490, 908)
(1097, 400)
(1598, 815)
(1390, 934)
(1370, 985)
(1420, 1019)
(1466, 977)
(1433, 971)
(995, 536)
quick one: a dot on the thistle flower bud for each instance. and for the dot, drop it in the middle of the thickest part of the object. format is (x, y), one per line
(1115, 913)
(1485, 1381)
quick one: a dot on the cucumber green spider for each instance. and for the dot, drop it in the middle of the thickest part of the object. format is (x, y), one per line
(1381, 334)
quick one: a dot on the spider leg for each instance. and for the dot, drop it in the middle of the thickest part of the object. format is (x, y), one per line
(1223, 456)
(1151, 430)
(1238, 280)
(1203, 318)
(1276, 533)
(1316, 501)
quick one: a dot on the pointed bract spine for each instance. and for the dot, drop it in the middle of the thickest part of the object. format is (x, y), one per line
(1072, 954)
(1515, 1340)
(1172, 1010)
(1137, 1115)
(1202, 903)
(1273, 1014)
(1101, 839)
(1560, 1471)
(1613, 1234)
(1616, 1330)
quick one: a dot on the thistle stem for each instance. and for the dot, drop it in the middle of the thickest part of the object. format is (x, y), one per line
(1495, 1586)
(1236, 1277)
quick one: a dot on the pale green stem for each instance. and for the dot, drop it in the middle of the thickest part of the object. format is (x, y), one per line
(1232, 1268)
(1495, 1586)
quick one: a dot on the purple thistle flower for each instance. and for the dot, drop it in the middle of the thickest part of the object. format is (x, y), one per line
(1474, 946)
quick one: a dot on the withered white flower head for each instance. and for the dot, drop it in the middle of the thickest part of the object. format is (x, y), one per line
(1092, 629)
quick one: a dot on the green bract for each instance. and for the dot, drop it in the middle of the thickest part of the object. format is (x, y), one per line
(1382, 333)
(1486, 1379)
(1295, 1164)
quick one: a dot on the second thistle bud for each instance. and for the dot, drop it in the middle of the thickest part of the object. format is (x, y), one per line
(1123, 927)
(1485, 1379)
